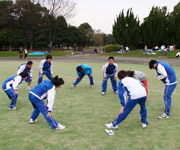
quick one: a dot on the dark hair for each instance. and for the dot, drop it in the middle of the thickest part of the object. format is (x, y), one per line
(48, 57)
(130, 73)
(23, 74)
(29, 62)
(111, 57)
(79, 68)
(151, 63)
(121, 74)
(57, 81)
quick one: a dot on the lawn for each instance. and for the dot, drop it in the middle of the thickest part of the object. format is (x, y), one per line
(85, 112)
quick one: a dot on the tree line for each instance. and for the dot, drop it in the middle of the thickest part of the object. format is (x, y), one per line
(159, 28)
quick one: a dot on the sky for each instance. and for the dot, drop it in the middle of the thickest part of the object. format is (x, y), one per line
(100, 14)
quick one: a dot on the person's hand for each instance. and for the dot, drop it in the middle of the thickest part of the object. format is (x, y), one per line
(52, 76)
(16, 92)
(105, 79)
(49, 114)
(115, 79)
(78, 77)
(40, 74)
(121, 110)
(91, 75)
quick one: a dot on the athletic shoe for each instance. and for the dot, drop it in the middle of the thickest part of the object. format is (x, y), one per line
(73, 86)
(103, 93)
(116, 92)
(110, 126)
(31, 121)
(28, 88)
(91, 86)
(144, 125)
(60, 127)
(163, 116)
(13, 108)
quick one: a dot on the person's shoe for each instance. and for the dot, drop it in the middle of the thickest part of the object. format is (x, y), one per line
(163, 116)
(60, 127)
(144, 125)
(13, 108)
(91, 86)
(28, 88)
(116, 92)
(103, 93)
(73, 86)
(31, 121)
(110, 126)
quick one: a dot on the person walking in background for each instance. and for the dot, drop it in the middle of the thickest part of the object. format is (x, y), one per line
(25, 53)
(20, 52)
(166, 74)
(82, 70)
(110, 70)
(10, 87)
(46, 68)
(26, 67)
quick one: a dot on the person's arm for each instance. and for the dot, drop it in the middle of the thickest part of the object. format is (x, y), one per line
(121, 92)
(41, 66)
(50, 97)
(161, 70)
(90, 70)
(51, 68)
(104, 70)
(116, 70)
(21, 69)
(16, 82)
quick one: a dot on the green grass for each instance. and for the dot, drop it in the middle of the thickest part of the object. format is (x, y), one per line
(16, 54)
(85, 112)
(138, 53)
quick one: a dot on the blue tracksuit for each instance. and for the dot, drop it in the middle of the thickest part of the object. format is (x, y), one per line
(40, 92)
(109, 71)
(166, 74)
(136, 94)
(87, 71)
(23, 68)
(45, 68)
(10, 86)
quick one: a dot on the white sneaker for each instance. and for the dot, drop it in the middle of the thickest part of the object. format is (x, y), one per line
(116, 92)
(28, 88)
(60, 127)
(144, 125)
(163, 116)
(91, 86)
(103, 93)
(14, 108)
(31, 121)
(73, 86)
(110, 126)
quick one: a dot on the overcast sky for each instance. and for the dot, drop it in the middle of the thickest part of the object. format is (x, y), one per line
(100, 14)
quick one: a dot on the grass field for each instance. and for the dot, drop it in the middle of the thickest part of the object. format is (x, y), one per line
(85, 112)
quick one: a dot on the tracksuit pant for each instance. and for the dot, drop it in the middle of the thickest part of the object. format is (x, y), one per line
(12, 96)
(131, 103)
(48, 75)
(167, 97)
(113, 82)
(39, 106)
(81, 77)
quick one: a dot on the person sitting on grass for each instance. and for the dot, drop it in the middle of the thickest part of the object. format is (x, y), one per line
(46, 89)
(26, 67)
(136, 94)
(110, 70)
(82, 70)
(10, 87)
(46, 68)
(166, 74)
(142, 77)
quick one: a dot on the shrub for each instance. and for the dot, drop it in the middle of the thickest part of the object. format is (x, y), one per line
(111, 48)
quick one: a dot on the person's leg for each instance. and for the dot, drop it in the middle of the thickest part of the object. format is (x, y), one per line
(167, 97)
(78, 79)
(143, 110)
(91, 79)
(104, 84)
(113, 83)
(36, 112)
(48, 75)
(40, 78)
(13, 96)
(127, 109)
